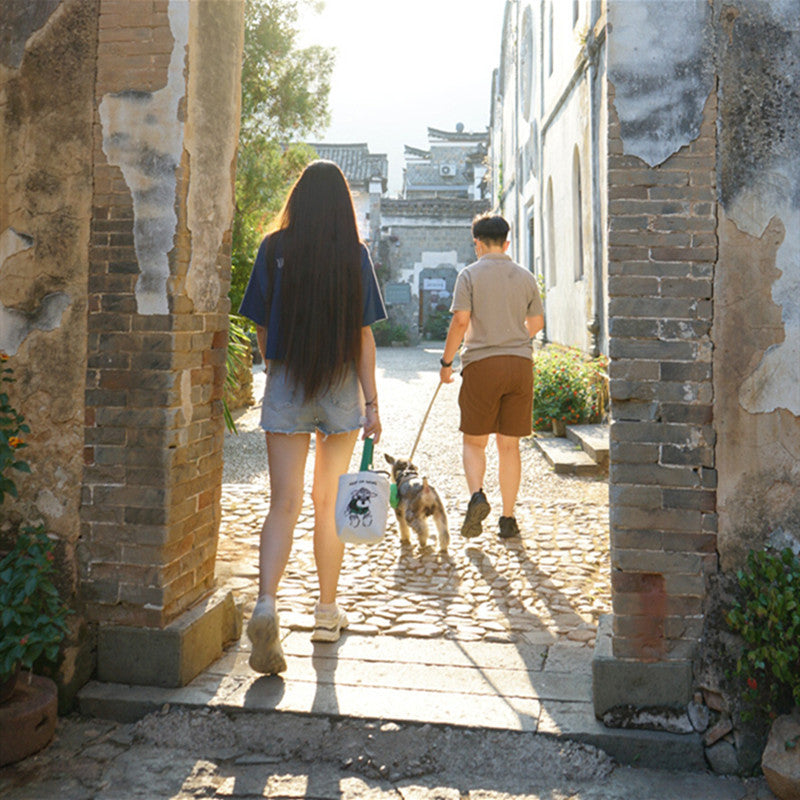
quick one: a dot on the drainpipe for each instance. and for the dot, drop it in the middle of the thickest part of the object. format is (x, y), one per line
(594, 44)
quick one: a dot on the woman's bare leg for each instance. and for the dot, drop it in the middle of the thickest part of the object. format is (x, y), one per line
(332, 459)
(287, 461)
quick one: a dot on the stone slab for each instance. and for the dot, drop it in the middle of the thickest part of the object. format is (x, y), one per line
(565, 457)
(470, 685)
(170, 656)
(617, 682)
(593, 440)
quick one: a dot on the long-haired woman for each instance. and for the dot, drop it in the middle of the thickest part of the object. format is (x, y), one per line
(313, 296)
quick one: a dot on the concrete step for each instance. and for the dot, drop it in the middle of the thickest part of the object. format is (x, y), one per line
(566, 457)
(443, 687)
(593, 440)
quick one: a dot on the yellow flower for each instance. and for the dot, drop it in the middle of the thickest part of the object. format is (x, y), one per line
(14, 441)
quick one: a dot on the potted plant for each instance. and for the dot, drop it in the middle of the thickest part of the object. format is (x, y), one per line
(32, 615)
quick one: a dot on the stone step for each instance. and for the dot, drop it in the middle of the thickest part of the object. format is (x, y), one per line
(566, 457)
(443, 690)
(593, 439)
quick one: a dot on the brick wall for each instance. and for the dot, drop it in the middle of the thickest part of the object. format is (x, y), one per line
(662, 251)
(153, 435)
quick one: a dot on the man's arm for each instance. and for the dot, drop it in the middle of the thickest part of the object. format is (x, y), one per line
(534, 324)
(455, 335)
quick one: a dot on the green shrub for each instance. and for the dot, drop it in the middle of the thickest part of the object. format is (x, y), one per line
(437, 325)
(32, 614)
(386, 332)
(767, 616)
(568, 387)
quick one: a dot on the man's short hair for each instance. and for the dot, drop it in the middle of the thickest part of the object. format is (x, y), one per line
(490, 229)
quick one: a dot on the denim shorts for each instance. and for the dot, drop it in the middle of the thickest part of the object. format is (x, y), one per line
(286, 410)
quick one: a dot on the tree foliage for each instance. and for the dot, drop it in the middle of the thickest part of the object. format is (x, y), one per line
(285, 92)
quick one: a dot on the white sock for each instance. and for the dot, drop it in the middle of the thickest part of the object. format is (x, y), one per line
(327, 608)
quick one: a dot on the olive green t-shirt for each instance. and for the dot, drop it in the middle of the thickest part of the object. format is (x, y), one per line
(499, 294)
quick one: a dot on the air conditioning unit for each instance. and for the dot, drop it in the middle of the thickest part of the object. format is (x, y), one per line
(447, 170)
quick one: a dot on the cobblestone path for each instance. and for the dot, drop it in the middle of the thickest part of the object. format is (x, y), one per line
(549, 585)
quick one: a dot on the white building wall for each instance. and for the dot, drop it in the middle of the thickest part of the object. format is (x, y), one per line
(541, 116)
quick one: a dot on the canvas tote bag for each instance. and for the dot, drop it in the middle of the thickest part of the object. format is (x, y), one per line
(362, 502)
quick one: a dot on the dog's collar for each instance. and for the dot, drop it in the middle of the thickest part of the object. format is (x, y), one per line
(406, 477)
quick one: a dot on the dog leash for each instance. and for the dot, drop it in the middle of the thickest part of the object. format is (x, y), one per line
(424, 420)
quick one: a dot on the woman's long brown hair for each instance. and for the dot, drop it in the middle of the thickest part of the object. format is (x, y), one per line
(321, 292)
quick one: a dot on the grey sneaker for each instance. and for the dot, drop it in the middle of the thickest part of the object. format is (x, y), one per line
(477, 511)
(508, 527)
(328, 625)
(263, 630)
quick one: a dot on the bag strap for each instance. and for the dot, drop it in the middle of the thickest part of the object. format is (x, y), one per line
(366, 455)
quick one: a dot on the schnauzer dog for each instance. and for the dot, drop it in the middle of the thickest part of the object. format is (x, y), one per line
(416, 501)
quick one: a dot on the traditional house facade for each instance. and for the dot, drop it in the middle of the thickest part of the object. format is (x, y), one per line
(425, 234)
(548, 124)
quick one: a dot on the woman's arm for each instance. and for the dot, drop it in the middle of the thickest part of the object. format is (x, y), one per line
(366, 377)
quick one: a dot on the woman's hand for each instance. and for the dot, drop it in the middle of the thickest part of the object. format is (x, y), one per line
(372, 423)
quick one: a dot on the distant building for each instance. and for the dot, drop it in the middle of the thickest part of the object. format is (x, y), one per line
(453, 166)
(367, 173)
(426, 236)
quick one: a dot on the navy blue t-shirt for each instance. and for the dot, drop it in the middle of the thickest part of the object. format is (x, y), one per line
(254, 302)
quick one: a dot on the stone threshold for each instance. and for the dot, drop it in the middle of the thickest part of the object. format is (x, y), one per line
(528, 688)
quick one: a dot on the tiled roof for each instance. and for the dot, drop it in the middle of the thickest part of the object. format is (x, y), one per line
(433, 207)
(355, 160)
(456, 136)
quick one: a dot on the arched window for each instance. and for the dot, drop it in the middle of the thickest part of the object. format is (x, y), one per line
(550, 38)
(551, 235)
(577, 215)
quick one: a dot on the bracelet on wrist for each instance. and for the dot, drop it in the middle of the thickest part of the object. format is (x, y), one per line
(373, 402)
(445, 363)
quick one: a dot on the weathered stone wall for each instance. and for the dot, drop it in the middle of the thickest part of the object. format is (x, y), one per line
(120, 123)
(756, 330)
(47, 57)
(704, 275)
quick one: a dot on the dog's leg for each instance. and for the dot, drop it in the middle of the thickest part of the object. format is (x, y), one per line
(440, 518)
(405, 534)
(420, 526)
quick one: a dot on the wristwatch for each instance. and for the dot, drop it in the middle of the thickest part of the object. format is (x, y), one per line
(445, 363)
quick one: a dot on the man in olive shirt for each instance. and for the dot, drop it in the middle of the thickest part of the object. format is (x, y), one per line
(497, 310)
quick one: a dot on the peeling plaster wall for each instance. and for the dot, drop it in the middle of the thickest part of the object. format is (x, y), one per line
(662, 71)
(47, 54)
(757, 290)
(143, 136)
(212, 150)
(45, 207)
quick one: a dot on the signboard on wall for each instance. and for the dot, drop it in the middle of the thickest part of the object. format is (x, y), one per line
(434, 285)
(397, 294)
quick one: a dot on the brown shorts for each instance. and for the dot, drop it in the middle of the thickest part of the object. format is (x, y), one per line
(497, 396)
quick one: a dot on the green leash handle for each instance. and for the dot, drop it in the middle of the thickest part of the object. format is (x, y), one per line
(366, 455)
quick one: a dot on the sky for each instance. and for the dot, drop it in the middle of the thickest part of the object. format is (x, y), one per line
(404, 65)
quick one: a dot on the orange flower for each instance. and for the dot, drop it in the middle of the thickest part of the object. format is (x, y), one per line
(14, 441)
(3, 356)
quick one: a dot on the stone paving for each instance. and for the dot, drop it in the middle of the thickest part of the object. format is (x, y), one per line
(550, 585)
